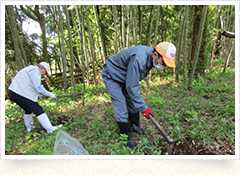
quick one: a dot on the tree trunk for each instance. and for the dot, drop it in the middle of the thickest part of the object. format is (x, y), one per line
(115, 29)
(215, 24)
(15, 37)
(91, 47)
(203, 60)
(155, 38)
(71, 47)
(100, 35)
(204, 12)
(63, 50)
(134, 25)
(230, 45)
(128, 30)
(140, 23)
(179, 46)
(228, 27)
(150, 27)
(38, 17)
(185, 43)
(21, 42)
(54, 18)
(227, 59)
(123, 32)
(84, 44)
(156, 29)
(197, 20)
(73, 27)
(82, 50)
(102, 32)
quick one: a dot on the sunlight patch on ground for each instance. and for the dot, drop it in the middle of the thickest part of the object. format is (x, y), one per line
(103, 99)
(52, 104)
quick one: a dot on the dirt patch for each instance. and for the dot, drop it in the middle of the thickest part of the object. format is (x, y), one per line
(188, 146)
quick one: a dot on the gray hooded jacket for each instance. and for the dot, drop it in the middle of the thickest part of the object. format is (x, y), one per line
(129, 67)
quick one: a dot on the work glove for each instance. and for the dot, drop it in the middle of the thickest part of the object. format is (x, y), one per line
(40, 96)
(147, 112)
(52, 95)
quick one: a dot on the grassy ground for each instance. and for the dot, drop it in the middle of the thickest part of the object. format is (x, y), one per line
(201, 121)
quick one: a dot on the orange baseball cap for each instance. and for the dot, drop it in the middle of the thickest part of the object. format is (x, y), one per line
(168, 52)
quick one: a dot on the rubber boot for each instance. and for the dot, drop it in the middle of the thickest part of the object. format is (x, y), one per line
(135, 126)
(28, 121)
(46, 124)
(125, 129)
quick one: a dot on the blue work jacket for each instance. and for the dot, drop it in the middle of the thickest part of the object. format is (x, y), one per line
(129, 67)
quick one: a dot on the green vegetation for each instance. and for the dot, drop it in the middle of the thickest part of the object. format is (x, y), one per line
(202, 120)
(195, 102)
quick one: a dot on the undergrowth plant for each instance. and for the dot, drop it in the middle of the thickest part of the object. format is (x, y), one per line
(203, 117)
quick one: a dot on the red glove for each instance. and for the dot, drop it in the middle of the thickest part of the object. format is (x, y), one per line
(147, 112)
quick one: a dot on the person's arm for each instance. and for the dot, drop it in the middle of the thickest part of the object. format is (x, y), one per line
(35, 77)
(133, 87)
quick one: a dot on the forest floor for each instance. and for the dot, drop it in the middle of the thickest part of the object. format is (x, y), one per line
(201, 120)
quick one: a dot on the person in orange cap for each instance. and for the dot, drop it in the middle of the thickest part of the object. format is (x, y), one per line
(168, 52)
(123, 72)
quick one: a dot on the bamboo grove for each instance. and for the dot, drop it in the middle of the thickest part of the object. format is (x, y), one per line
(76, 40)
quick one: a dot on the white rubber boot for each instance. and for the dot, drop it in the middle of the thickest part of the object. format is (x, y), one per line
(28, 121)
(45, 122)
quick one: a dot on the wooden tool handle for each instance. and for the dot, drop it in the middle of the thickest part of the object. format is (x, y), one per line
(164, 133)
(67, 95)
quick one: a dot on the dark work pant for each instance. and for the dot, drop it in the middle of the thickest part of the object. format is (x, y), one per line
(27, 105)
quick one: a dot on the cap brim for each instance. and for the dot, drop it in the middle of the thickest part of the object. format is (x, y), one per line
(48, 73)
(169, 62)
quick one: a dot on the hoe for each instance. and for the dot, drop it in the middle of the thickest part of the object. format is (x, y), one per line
(170, 141)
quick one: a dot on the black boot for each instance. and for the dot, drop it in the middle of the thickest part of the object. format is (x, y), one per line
(135, 126)
(125, 129)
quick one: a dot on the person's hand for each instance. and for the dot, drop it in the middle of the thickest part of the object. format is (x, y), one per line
(147, 112)
(52, 95)
(40, 96)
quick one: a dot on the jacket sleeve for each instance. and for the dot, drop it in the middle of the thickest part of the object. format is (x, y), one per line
(132, 85)
(36, 80)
